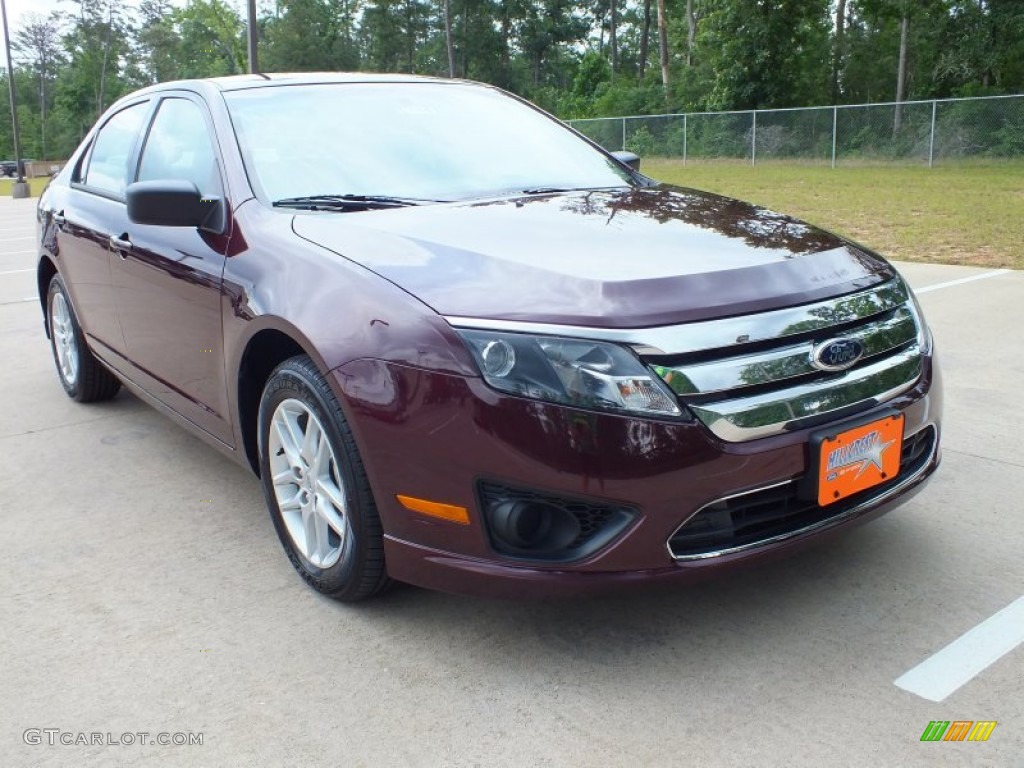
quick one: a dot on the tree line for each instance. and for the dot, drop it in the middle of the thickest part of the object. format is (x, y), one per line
(576, 59)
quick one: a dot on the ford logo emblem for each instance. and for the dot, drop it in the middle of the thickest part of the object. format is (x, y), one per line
(837, 354)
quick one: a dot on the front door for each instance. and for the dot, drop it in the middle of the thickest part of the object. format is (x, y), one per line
(167, 280)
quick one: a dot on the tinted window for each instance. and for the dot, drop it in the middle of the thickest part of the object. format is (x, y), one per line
(434, 141)
(108, 163)
(179, 147)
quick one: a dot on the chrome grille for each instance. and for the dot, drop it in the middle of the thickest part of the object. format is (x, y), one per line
(895, 331)
(753, 376)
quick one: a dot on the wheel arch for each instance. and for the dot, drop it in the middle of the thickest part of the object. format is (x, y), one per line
(265, 349)
(44, 274)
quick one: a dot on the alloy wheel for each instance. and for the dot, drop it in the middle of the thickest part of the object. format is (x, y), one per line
(307, 484)
(64, 342)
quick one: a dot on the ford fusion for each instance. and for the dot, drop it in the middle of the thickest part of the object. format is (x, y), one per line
(463, 347)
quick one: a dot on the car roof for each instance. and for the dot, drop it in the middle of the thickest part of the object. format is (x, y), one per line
(211, 85)
(242, 82)
(307, 78)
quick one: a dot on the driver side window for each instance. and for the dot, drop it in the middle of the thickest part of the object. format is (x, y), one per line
(179, 147)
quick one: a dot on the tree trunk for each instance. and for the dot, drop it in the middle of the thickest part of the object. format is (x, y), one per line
(42, 107)
(448, 37)
(464, 47)
(993, 42)
(410, 37)
(663, 47)
(645, 37)
(691, 32)
(837, 51)
(613, 41)
(901, 75)
(506, 32)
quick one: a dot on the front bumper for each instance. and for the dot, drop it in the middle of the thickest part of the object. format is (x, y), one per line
(435, 436)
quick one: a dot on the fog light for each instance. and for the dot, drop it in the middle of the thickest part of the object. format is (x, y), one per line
(532, 526)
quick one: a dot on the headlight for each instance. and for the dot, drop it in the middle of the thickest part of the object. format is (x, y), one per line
(587, 374)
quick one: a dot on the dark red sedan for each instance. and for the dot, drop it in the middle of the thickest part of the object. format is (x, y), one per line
(465, 348)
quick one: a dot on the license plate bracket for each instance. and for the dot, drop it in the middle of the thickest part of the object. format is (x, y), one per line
(854, 456)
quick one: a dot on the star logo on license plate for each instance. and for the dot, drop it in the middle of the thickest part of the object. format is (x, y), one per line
(864, 452)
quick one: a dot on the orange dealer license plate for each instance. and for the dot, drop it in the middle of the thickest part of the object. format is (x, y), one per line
(857, 458)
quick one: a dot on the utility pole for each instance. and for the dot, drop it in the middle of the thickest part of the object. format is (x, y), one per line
(254, 66)
(20, 187)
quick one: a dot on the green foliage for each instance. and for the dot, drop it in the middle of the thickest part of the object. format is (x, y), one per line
(745, 54)
(766, 53)
(310, 35)
(592, 73)
(210, 39)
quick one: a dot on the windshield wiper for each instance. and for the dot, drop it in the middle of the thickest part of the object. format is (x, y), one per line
(549, 190)
(346, 202)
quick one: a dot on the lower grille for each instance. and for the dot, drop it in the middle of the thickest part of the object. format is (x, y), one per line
(758, 516)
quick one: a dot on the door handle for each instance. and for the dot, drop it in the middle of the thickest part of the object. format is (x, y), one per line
(59, 220)
(121, 244)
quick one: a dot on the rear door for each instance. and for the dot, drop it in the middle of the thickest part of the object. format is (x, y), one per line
(167, 280)
(92, 211)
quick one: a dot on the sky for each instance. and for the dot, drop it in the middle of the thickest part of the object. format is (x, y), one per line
(18, 9)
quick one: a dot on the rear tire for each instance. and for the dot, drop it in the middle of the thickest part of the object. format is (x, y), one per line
(316, 487)
(83, 376)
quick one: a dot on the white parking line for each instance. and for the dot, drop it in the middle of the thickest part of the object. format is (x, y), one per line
(962, 280)
(938, 676)
(15, 271)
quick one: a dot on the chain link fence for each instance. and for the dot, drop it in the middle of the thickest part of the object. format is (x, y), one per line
(911, 132)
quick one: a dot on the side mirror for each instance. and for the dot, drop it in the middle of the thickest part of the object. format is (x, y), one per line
(632, 159)
(174, 203)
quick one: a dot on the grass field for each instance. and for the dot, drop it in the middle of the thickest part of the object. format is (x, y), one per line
(35, 186)
(952, 214)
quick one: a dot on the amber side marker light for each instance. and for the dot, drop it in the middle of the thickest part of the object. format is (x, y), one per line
(448, 512)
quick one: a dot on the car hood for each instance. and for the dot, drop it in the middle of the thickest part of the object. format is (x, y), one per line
(617, 259)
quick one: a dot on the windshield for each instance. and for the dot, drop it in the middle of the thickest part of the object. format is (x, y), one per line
(418, 141)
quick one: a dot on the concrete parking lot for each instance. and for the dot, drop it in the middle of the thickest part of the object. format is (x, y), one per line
(144, 590)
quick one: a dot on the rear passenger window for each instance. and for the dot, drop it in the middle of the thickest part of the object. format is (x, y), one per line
(108, 163)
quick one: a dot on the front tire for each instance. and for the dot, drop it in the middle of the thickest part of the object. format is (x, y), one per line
(316, 487)
(83, 376)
